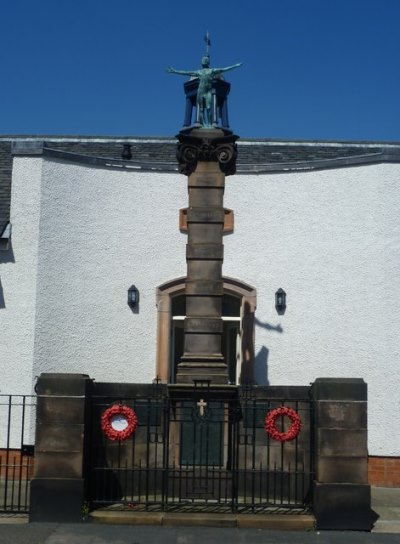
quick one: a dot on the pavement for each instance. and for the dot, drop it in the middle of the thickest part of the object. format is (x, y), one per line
(385, 503)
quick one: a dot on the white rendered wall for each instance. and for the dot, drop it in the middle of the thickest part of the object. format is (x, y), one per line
(18, 270)
(330, 239)
(103, 230)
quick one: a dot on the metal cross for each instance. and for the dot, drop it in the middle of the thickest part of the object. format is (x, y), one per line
(208, 42)
(201, 404)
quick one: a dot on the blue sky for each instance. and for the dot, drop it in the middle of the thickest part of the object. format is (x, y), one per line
(312, 69)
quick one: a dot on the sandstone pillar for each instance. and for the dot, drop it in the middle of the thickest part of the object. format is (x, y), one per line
(58, 486)
(341, 496)
(206, 156)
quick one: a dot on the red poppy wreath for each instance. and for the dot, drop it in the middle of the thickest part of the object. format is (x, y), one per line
(119, 422)
(270, 424)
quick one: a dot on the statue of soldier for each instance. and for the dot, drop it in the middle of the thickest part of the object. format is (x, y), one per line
(206, 75)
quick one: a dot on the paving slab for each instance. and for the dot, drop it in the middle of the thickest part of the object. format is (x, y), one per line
(386, 504)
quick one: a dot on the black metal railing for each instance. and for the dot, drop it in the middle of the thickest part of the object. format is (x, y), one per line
(271, 473)
(17, 428)
(200, 450)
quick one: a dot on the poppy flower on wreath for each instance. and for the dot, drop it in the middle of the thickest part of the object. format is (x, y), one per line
(119, 422)
(272, 430)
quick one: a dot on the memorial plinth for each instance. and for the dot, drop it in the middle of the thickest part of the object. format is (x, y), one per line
(206, 156)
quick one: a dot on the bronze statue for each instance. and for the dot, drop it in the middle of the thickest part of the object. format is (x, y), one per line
(206, 75)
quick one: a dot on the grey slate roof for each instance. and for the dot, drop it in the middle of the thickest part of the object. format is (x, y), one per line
(254, 156)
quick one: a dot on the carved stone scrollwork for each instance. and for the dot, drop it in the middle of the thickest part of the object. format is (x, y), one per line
(193, 148)
(226, 153)
(187, 154)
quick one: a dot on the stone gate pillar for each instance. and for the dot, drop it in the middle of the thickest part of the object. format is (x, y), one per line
(341, 495)
(58, 485)
(206, 156)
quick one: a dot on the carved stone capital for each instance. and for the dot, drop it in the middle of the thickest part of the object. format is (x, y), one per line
(211, 145)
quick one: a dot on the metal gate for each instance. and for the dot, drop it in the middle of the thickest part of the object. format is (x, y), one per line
(17, 430)
(202, 449)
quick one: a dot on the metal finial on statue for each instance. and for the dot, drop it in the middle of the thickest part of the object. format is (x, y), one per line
(208, 43)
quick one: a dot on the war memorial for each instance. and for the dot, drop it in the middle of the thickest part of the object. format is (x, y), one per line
(204, 319)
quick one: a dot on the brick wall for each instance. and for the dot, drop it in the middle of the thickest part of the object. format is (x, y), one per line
(15, 466)
(384, 471)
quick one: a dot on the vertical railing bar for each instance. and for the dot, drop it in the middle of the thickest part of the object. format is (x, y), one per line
(14, 464)
(253, 455)
(230, 476)
(27, 482)
(181, 477)
(245, 467)
(125, 477)
(148, 445)
(222, 469)
(156, 467)
(22, 443)
(7, 450)
(140, 471)
(165, 493)
(103, 490)
(176, 481)
(311, 467)
(296, 454)
(136, 475)
(183, 480)
(236, 462)
(268, 468)
(148, 449)
(282, 456)
(132, 473)
(241, 455)
(1, 472)
(112, 481)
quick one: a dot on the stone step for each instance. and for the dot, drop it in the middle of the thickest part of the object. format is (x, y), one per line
(284, 522)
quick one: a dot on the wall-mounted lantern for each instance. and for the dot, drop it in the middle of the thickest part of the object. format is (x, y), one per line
(133, 296)
(280, 301)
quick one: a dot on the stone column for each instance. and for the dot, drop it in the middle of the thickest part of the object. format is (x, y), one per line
(341, 495)
(205, 156)
(58, 486)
